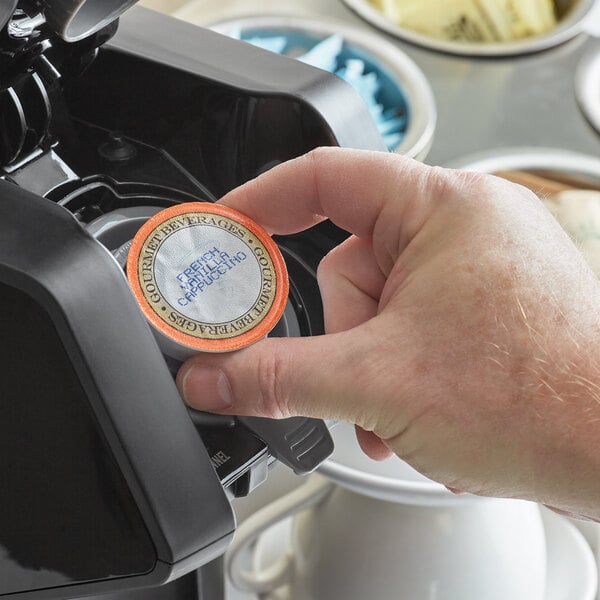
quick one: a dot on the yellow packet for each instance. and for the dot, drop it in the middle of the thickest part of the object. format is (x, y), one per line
(456, 20)
(390, 8)
(539, 15)
(481, 21)
(503, 18)
(516, 19)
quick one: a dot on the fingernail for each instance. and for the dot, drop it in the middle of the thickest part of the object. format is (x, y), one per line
(207, 388)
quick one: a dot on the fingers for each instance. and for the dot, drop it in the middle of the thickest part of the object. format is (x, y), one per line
(355, 189)
(351, 282)
(280, 378)
(372, 445)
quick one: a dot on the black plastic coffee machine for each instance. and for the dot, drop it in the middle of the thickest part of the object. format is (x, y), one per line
(107, 482)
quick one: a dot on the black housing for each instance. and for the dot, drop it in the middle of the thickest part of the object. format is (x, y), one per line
(105, 482)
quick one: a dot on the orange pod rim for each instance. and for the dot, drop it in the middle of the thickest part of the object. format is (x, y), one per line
(199, 343)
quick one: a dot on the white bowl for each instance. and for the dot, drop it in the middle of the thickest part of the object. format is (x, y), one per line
(570, 25)
(583, 167)
(587, 85)
(392, 479)
(570, 569)
(401, 69)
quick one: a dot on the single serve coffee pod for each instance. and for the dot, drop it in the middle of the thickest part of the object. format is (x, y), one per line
(207, 278)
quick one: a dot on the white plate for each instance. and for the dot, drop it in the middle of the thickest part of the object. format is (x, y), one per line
(571, 568)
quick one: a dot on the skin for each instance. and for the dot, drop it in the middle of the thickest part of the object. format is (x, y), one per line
(462, 328)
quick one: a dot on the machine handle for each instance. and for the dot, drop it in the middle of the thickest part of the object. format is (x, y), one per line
(298, 442)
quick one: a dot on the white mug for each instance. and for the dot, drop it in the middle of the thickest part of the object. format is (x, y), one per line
(341, 544)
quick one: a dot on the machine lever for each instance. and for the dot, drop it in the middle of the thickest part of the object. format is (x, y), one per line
(298, 442)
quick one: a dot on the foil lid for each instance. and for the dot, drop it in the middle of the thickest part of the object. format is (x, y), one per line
(207, 278)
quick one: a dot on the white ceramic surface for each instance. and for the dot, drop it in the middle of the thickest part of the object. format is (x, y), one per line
(571, 568)
(584, 166)
(392, 479)
(571, 571)
(347, 545)
(587, 83)
(575, 22)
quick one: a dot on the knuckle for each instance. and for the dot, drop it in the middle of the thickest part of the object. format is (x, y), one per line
(465, 183)
(315, 157)
(377, 411)
(484, 194)
(318, 153)
(327, 266)
(272, 399)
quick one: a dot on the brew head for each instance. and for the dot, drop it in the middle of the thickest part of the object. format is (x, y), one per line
(74, 20)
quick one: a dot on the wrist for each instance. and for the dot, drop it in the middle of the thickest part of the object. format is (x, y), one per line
(567, 413)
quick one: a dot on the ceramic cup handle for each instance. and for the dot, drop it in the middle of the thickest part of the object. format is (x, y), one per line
(314, 491)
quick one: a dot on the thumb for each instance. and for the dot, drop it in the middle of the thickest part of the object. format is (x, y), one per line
(279, 378)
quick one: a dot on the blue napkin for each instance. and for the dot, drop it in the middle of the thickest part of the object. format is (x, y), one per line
(331, 54)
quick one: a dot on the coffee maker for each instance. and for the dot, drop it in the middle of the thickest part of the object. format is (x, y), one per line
(108, 484)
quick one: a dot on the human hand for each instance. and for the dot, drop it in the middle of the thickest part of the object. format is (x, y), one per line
(462, 328)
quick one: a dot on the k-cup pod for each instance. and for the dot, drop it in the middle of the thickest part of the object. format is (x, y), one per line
(207, 278)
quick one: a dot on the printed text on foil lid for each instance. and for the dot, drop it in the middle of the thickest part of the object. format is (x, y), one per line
(204, 271)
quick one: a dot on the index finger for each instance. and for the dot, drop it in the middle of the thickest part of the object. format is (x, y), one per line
(353, 188)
